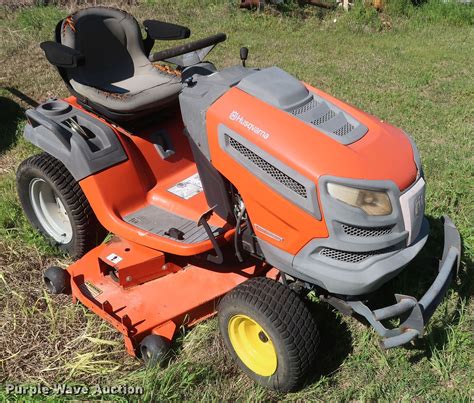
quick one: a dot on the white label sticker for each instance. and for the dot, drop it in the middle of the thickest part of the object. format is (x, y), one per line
(413, 207)
(268, 233)
(114, 258)
(187, 188)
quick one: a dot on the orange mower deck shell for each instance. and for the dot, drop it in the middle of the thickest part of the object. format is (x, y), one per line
(180, 292)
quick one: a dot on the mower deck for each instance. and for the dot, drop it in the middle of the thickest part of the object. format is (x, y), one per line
(166, 296)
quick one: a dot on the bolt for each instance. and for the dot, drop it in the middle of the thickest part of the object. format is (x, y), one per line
(262, 336)
(128, 278)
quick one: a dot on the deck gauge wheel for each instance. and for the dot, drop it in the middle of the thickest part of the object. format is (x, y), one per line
(57, 280)
(154, 350)
(270, 333)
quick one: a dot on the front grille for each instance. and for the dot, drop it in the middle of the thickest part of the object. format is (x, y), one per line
(349, 257)
(268, 168)
(305, 108)
(344, 130)
(324, 118)
(366, 232)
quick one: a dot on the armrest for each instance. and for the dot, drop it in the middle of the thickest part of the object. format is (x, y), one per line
(60, 55)
(165, 31)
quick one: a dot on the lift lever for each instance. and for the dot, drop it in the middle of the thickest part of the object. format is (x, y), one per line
(219, 258)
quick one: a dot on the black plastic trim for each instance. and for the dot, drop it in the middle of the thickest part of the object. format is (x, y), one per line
(61, 56)
(165, 31)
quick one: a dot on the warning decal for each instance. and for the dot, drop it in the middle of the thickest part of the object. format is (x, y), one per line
(90, 289)
(114, 258)
(187, 188)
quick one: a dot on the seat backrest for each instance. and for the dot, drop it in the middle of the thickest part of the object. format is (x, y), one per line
(110, 41)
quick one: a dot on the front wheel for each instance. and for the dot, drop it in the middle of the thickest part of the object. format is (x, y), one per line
(270, 332)
(54, 203)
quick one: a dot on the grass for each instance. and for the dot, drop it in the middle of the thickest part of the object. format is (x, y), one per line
(411, 66)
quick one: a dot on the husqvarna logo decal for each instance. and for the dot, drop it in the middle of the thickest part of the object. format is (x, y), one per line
(237, 117)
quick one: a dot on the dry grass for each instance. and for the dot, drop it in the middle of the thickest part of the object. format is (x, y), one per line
(47, 338)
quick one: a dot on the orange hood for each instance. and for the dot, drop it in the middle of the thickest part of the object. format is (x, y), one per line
(383, 153)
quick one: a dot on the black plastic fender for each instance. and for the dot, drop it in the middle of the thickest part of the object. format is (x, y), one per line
(85, 145)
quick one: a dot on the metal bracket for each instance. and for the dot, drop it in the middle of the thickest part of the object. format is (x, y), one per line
(341, 305)
(419, 312)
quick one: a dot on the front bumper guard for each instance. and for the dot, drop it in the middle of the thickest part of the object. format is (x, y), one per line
(417, 313)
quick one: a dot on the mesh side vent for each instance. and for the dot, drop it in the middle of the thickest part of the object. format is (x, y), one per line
(265, 166)
(305, 108)
(349, 257)
(324, 118)
(366, 232)
(344, 130)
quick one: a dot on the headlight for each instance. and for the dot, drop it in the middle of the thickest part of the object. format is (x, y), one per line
(370, 201)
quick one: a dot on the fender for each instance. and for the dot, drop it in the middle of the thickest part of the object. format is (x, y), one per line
(92, 147)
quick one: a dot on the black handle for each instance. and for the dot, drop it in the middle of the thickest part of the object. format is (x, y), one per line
(188, 47)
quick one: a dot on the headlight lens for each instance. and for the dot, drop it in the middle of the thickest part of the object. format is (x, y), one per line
(370, 201)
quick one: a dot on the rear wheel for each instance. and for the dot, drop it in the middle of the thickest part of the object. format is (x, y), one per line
(270, 332)
(54, 203)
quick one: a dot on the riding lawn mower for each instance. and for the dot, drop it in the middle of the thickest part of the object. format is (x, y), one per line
(184, 191)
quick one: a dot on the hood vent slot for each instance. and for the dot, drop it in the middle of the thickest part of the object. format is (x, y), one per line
(329, 119)
(268, 168)
(344, 130)
(323, 119)
(305, 107)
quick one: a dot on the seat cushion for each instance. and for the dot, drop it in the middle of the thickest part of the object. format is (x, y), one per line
(147, 90)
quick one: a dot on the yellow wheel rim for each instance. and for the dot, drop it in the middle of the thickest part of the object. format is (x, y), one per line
(252, 345)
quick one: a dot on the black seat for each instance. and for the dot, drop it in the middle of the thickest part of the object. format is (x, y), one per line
(100, 54)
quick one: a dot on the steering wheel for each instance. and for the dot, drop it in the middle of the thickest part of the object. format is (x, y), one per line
(188, 47)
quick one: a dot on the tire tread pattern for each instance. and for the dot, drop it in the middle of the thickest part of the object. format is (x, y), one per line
(292, 320)
(87, 230)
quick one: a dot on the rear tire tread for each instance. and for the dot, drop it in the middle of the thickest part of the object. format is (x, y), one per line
(82, 217)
